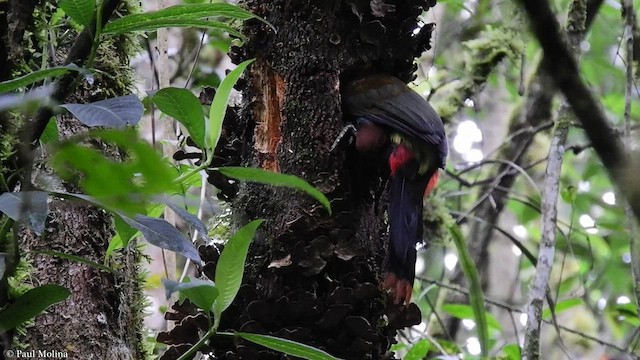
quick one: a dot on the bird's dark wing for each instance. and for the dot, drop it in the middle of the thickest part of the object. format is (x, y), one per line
(388, 101)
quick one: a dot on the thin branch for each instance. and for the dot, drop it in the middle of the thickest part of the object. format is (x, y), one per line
(575, 32)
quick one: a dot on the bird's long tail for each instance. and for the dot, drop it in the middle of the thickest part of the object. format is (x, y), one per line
(405, 231)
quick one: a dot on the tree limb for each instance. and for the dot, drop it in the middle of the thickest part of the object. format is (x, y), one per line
(575, 32)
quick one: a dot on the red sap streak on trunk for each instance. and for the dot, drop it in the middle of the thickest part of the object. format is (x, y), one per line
(400, 155)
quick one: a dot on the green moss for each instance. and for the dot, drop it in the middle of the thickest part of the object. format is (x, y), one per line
(490, 46)
(481, 55)
(436, 219)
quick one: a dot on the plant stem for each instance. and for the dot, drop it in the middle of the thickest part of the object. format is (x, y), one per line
(96, 36)
(194, 349)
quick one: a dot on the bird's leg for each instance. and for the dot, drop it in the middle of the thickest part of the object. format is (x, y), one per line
(348, 128)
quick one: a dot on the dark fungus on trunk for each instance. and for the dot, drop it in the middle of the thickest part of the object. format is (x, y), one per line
(310, 276)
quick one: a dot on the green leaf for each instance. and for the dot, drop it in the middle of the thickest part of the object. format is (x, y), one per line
(201, 293)
(35, 76)
(569, 194)
(75, 258)
(512, 351)
(230, 268)
(419, 350)
(562, 306)
(29, 207)
(50, 133)
(286, 346)
(122, 186)
(31, 304)
(115, 243)
(164, 235)
(462, 311)
(117, 112)
(80, 11)
(592, 169)
(178, 16)
(165, 23)
(185, 107)
(124, 232)
(476, 297)
(271, 178)
(219, 106)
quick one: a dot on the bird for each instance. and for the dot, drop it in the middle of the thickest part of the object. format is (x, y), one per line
(393, 121)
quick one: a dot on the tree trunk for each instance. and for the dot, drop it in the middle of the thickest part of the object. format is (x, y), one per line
(102, 318)
(311, 276)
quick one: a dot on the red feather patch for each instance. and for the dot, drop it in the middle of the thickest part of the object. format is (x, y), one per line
(432, 183)
(400, 155)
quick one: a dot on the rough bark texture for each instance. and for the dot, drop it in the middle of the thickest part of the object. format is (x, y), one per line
(293, 94)
(102, 317)
(311, 276)
(99, 319)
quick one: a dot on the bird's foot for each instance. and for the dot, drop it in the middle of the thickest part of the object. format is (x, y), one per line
(400, 289)
(348, 128)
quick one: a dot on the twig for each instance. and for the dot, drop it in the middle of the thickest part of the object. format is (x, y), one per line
(546, 254)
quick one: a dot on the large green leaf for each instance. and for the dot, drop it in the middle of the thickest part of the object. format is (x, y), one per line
(271, 178)
(162, 234)
(175, 14)
(201, 293)
(287, 346)
(30, 304)
(476, 297)
(33, 77)
(117, 112)
(185, 107)
(153, 25)
(219, 105)
(230, 266)
(79, 10)
(118, 185)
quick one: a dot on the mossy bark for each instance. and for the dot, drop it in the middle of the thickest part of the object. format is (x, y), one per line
(102, 318)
